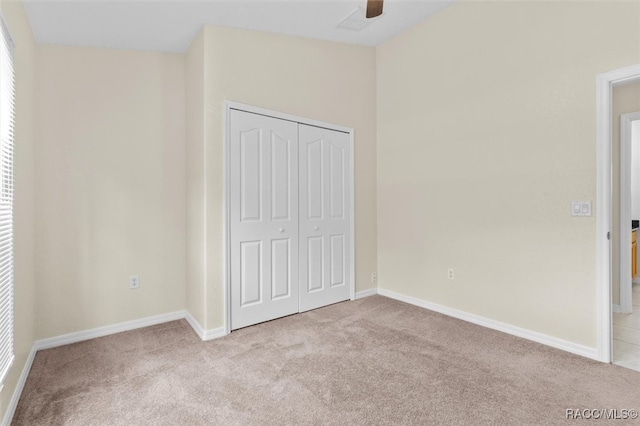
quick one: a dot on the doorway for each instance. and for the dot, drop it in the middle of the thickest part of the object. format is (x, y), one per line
(604, 228)
(626, 130)
(626, 307)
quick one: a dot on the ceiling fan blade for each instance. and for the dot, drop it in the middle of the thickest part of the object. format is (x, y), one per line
(374, 8)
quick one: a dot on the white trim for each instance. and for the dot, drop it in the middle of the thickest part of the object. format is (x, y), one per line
(201, 332)
(225, 217)
(626, 121)
(80, 336)
(66, 339)
(534, 336)
(352, 208)
(603, 218)
(197, 328)
(604, 84)
(214, 333)
(228, 106)
(17, 392)
(366, 293)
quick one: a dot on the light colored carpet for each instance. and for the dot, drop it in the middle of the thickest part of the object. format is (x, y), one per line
(372, 361)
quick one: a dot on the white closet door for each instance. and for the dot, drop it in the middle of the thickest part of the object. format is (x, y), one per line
(263, 218)
(325, 198)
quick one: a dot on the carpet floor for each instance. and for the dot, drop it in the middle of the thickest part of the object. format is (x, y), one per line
(375, 361)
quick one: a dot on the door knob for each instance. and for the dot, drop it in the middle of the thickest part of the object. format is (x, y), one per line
(315, 228)
(281, 229)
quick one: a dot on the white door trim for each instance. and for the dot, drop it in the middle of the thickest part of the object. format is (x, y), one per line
(604, 86)
(228, 106)
(626, 121)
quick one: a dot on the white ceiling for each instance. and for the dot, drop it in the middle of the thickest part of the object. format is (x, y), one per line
(171, 25)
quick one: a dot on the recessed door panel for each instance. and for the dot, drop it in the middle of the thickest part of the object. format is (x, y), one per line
(337, 260)
(280, 177)
(314, 185)
(250, 175)
(280, 269)
(250, 273)
(337, 181)
(315, 264)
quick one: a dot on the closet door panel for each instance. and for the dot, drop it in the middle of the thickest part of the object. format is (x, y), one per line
(263, 216)
(325, 158)
(315, 264)
(337, 258)
(314, 180)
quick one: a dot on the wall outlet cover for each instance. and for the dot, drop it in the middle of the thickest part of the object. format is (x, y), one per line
(134, 281)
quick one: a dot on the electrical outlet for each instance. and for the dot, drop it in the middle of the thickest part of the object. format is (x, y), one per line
(134, 281)
(374, 278)
(450, 274)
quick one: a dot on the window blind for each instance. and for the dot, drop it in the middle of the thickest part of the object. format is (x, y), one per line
(6, 200)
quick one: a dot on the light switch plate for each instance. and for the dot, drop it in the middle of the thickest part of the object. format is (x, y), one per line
(581, 208)
(575, 208)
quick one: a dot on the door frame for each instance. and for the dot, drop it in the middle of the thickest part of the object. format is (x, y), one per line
(604, 88)
(626, 121)
(228, 106)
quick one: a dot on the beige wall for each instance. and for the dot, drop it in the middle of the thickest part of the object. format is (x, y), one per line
(24, 187)
(486, 133)
(111, 186)
(195, 159)
(625, 99)
(326, 81)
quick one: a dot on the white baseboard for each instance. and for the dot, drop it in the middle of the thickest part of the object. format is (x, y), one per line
(80, 336)
(17, 392)
(616, 308)
(201, 332)
(544, 339)
(366, 293)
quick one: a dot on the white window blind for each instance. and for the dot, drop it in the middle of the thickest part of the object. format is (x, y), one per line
(6, 200)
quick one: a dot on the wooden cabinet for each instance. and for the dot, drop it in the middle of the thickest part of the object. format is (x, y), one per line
(634, 255)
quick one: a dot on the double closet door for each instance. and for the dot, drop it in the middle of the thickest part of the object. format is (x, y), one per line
(290, 198)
